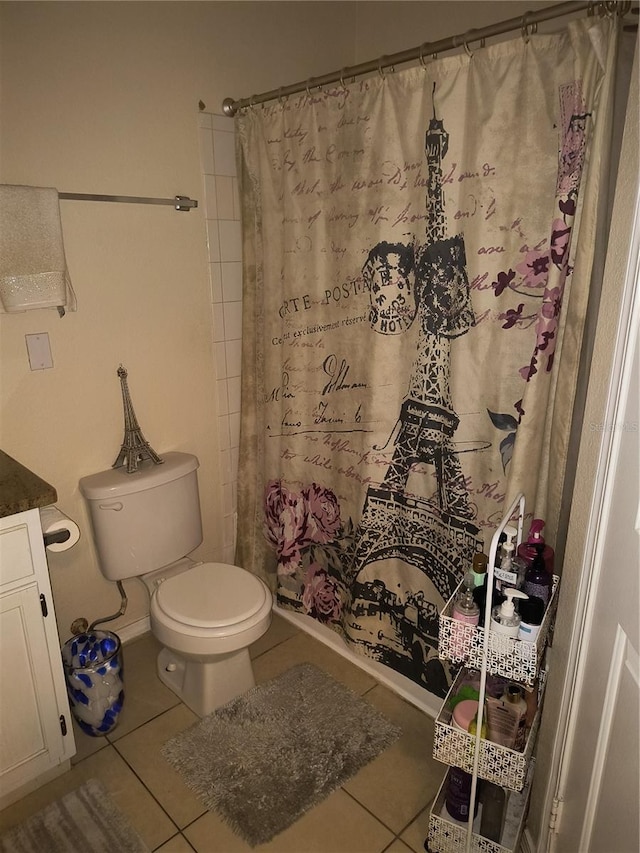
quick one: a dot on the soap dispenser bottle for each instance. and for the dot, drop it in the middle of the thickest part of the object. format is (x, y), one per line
(512, 569)
(505, 619)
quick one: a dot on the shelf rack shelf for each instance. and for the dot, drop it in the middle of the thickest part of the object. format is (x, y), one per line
(517, 660)
(449, 836)
(498, 764)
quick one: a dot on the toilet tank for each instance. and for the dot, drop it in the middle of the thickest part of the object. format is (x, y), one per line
(145, 520)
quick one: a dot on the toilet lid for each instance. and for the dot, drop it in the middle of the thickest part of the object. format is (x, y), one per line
(211, 595)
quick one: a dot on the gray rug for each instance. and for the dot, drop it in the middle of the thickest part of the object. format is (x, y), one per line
(267, 757)
(84, 821)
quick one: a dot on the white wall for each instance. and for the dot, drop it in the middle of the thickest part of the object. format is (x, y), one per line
(103, 98)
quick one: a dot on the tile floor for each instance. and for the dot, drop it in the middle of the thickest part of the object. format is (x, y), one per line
(385, 807)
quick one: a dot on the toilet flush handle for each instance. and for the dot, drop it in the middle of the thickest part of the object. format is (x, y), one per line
(116, 506)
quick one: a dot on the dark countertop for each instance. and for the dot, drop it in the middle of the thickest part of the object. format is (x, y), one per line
(21, 489)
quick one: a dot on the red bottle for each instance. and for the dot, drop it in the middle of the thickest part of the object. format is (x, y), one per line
(527, 550)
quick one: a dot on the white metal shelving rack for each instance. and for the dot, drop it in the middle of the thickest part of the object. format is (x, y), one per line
(517, 660)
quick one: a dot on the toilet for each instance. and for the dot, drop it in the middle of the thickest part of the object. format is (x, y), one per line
(205, 615)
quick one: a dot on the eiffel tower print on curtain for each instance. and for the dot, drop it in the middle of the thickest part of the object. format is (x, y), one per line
(436, 535)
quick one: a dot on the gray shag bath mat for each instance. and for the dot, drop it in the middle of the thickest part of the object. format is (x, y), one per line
(265, 758)
(84, 821)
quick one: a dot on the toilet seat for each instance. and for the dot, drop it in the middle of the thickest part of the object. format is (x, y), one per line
(210, 596)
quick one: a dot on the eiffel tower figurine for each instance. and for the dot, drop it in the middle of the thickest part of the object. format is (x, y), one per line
(135, 448)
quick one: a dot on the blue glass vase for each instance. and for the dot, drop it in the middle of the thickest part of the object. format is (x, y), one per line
(93, 670)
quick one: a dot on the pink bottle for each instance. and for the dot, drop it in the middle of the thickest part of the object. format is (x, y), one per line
(527, 550)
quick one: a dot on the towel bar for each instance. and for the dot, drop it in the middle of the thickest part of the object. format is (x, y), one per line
(179, 202)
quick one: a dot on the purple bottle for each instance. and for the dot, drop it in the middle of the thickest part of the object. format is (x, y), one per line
(458, 796)
(537, 580)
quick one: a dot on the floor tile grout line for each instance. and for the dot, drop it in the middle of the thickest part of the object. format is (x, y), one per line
(367, 809)
(108, 742)
(152, 795)
(398, 833)
(276, 646)
(150, 720)
(178, 834)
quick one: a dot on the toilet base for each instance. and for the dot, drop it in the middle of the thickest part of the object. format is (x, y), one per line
(203, 687)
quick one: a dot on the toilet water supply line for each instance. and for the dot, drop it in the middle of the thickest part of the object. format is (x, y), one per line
(80, 626)
(121, 612)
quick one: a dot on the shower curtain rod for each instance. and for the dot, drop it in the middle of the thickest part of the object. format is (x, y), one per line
(179, 202)
(527, 23)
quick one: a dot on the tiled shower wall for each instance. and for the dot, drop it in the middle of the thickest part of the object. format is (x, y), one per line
(222, 206)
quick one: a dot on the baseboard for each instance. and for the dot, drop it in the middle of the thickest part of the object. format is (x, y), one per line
(527, 844)
(32, 785)
(134, 629)
(404, 687)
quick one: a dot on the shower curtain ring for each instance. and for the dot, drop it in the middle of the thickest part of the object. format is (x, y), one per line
(309, 81)
(528, 29)
(421, 57)
(611, 9)
(380, 70)
(281, 97)
(252, 102)
(466, 38)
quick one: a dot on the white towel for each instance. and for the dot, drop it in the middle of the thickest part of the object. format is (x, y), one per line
(33, 268)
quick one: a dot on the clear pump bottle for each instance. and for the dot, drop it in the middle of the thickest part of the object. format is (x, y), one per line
(465, 610)
(510, 573)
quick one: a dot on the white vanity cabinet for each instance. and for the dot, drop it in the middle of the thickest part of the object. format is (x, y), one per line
(36, 734)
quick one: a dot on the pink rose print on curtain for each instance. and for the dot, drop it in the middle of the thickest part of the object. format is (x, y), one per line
(296, 520)
(286, 516)
(322, 596)
(324, 513)
(312, 544)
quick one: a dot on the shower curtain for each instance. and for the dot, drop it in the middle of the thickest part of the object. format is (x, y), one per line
(417, 254)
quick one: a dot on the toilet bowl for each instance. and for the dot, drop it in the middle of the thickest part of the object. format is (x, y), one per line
(206, 617)
(205, 614)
